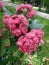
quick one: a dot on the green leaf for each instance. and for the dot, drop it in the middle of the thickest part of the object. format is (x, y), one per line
(36, 24)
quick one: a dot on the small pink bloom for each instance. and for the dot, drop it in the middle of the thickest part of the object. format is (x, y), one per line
(30, 35)
(31, 14)
(6, 20)
(29, 7)
(24, 6)
(35, 47)
(3, 30)
(21, 26)
(24, 30)
(20, 41)
(15, 19)
(12, 27)
(19, 9)
(14, 16)
(17, 32)
(23, 19)
(42, 42)
(35, 39)
(39, 33)
(33, 31)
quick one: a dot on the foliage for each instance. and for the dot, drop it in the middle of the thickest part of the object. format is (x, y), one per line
(36, 24)
(46, 3)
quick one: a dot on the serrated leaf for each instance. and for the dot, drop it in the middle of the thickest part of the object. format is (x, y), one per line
(36, 24)
(6, 11)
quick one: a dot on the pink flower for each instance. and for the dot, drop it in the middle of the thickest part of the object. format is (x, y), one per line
(42, 41)
(1, 5)
(14, 20)
(6, 20)
(29, 42)
(39, 33)
(24, 30)
(12, 27)
(35, 39)
(26, 45)
(33, 31)
(30, 35)
(23, 19)
(18, 22)
(14, 16)
(19, 9)
(21, 26)
(31, 14)
(17, 32)
(29, 7)
(24, 6)
(35, 47)
(20, 41)
(3, 30)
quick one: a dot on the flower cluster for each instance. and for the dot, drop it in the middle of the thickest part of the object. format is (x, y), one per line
(29, 42)
(1, 5)
(18, 24)
(30, 12)
(24, 6)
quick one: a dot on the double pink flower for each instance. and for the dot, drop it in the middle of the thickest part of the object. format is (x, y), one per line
(29, 42)
(30, 12)
(18, 24)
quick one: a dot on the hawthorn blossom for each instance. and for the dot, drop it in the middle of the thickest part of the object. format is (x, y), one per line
(29, 42)
(24, 6)
(18, 25)
(30, 12)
